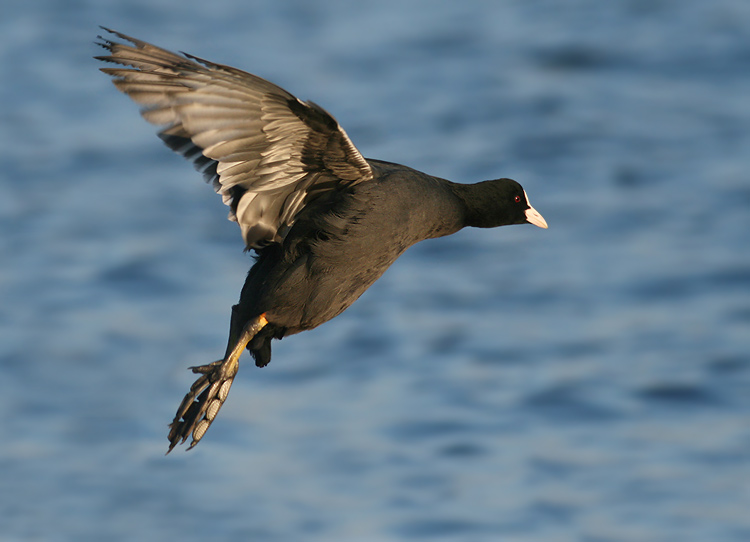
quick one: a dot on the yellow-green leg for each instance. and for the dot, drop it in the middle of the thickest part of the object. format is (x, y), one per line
(201, 404)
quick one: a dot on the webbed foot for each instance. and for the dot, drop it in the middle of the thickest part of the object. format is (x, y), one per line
(208, 393)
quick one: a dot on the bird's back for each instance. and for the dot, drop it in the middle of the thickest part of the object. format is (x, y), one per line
(339, 248)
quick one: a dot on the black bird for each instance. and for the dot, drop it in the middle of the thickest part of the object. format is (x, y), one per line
(324, 222)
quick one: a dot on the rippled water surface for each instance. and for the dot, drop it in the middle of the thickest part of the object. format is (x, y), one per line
(590, 382)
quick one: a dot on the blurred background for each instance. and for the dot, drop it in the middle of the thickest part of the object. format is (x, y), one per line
(588, 383)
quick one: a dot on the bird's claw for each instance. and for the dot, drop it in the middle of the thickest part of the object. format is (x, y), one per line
(201, 404)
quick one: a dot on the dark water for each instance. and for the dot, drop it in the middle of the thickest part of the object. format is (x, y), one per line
(586, 383)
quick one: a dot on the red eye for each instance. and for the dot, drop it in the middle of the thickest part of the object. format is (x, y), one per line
(517, 199)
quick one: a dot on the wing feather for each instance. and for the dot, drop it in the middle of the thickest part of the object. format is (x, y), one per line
(267, 153)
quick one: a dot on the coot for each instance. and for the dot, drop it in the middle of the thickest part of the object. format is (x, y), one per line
(324, 222)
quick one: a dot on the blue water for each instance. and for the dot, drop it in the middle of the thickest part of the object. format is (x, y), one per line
(590, 382)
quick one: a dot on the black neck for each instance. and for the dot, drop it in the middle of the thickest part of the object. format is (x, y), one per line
(482, 204)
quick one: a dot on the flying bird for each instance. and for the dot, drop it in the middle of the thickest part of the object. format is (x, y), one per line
(324, 221)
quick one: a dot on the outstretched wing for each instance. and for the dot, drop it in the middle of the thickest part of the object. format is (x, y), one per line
(266, 152)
